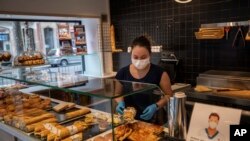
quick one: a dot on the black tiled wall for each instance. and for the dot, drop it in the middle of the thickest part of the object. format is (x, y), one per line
(173, 25)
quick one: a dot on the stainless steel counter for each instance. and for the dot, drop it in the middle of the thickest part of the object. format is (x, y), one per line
(225, 79)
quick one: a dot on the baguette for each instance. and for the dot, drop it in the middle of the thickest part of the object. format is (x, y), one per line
(76, 137)
(70, 106)
(68, 131)
(26, 122)
(60, 107)
(31, 127)
(77, 113)
(51, 137)
(43, 126)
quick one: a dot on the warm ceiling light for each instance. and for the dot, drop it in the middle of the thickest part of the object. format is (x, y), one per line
(183, 1)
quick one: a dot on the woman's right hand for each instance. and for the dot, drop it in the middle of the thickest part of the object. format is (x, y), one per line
(120, 107)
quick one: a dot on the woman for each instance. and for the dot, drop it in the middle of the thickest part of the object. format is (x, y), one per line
(141, 70)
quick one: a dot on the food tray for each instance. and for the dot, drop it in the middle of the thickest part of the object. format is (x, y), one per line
(29, 134)
(61, 115)
(92, 130)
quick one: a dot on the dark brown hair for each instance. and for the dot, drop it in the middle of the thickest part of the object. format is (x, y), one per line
(142, 41)
(215, 115)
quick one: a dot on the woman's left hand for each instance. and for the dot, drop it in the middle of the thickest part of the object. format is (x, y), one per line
(148, 113)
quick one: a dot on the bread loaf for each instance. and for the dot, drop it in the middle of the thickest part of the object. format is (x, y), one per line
(77, 113)
(31, 127)
(76, 137)
(60, 107)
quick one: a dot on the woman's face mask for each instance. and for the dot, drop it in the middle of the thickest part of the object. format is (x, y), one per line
(140, 57)
(141, 64)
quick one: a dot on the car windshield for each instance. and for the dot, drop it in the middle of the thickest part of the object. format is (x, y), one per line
(52, 52)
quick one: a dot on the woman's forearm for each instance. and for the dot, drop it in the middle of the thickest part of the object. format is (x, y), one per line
(163, 101)
(119, 99)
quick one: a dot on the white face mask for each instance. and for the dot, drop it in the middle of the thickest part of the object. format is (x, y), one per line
(140, 64)
(212, 124)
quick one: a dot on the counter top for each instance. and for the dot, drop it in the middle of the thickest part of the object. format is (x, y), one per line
(210, 97)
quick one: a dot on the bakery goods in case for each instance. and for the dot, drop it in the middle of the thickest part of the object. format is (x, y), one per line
(129, 114)
(116, 119)
(63, 106)
(6, 56)
(57, 132)
(77, 113)
(147, 127)
(29, 59)
(31, 128)
(122, 132)
(138, 131)
(60, 107)
(143, 131)
(76, 137)
(99, 138)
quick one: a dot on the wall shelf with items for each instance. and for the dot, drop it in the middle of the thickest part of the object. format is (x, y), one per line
(80, 38)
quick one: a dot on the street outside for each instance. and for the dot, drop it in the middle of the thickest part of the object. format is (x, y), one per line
(69, 69)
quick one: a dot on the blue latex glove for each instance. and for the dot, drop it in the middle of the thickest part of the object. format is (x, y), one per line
(120, 107)
(148, 113)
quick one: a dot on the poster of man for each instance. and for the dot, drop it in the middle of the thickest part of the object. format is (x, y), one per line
(211, 123)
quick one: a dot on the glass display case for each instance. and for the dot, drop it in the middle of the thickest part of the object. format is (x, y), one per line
(76, 107)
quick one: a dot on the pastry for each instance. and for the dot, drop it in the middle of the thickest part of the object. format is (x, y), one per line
(102, 116)
(122, 132)
(103, 125)
(76, 137)
(116, 119)
(44, 133)
(77, 113)
(89, 119)
(1, 57)
(42, 61)
(6, 56)
(143, 136)
(31, 128)
(147, 127)
(99, 138)
(70, 105)
(3, 112)
(25, 122)
(108, 137)
(68, 131)
(60, 107)
(38, 56)
(10, 108)
(201, 88)
(25, 63)
(129, 114)
(51, 137)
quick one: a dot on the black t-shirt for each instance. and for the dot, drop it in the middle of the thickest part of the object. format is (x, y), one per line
(145, 98)
(152, 77)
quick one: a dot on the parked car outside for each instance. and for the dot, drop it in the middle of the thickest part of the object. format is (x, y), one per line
(56, 58)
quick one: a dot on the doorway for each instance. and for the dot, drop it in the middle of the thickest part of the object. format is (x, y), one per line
(49, 38)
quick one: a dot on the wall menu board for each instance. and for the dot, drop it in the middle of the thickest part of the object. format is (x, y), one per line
(4, 37)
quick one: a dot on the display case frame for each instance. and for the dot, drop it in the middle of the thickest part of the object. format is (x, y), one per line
(96, 91)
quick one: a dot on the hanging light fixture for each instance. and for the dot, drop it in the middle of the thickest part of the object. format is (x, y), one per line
(183, 1)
